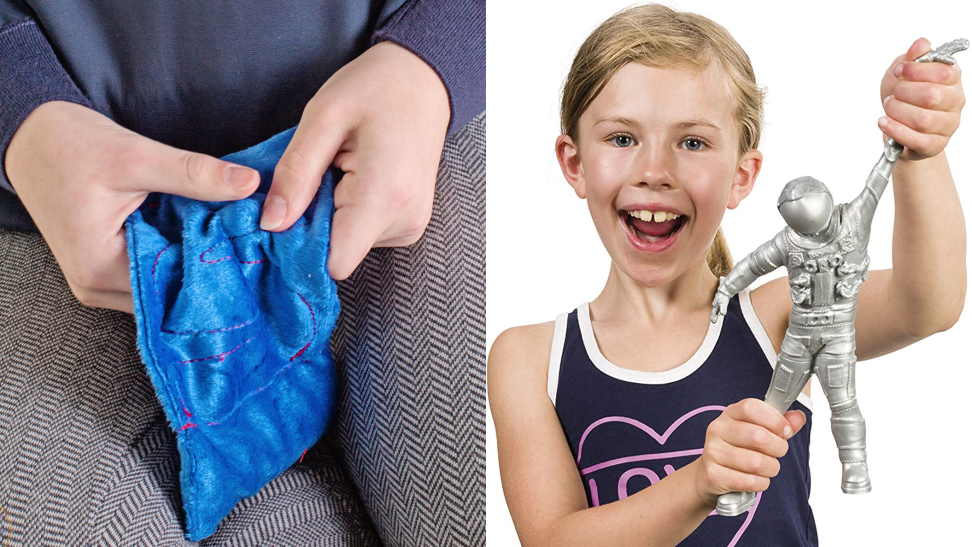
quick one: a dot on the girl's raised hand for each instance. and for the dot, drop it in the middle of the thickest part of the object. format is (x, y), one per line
(742, 447)
(922, 103)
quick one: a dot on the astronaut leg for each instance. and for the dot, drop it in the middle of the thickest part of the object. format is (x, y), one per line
(835, 366)
(792, 372)
(793, 367)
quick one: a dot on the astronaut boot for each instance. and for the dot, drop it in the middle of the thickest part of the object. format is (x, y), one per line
(855, 478)
(847, 424)
(735, 503)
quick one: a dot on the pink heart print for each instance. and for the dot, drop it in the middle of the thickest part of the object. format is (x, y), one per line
(653, 456)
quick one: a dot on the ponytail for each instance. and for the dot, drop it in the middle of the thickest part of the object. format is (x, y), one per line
(719, 259)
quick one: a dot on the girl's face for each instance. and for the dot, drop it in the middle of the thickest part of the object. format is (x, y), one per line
(656, 159)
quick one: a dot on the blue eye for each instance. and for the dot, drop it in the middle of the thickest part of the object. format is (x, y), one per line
(693, 144)
(622, 141)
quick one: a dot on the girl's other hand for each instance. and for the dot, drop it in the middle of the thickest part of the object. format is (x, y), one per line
(742, 447)
(79, 175)
(923, 102)
(382, 119)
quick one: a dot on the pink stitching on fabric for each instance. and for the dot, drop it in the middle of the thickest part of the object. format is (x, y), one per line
(221, 356)
(209, 331)
(201, 259)
(314, 319)
(257, 390)
(156, 262)
(189, 425)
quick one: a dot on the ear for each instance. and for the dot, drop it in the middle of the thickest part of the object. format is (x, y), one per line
(569, 158)
(743, 180)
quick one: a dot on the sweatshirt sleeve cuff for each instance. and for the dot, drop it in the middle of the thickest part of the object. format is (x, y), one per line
(451, 37)
(30, 75)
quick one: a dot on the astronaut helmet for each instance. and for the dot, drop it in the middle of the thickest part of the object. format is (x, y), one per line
(806, 205)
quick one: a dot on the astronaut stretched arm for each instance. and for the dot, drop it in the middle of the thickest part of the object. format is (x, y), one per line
(766, 258)
(865, 204)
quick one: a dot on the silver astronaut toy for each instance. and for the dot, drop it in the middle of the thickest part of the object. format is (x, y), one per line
(824, 249)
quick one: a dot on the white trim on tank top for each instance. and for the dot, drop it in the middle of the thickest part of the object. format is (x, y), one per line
(556, 354)
(645, 377)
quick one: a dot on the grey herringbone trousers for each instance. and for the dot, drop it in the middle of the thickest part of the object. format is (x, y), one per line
(87, 458)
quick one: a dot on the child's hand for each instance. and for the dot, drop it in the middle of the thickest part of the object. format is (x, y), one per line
(79, 175)
(741, 449)
(720, 303)
(922, 101)
(381, 119)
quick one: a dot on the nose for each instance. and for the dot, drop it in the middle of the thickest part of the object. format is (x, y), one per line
(656, 166)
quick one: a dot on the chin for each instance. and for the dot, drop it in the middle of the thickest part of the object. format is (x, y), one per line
(650, 275)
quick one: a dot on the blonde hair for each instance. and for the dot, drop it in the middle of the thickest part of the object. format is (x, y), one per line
(657, 36)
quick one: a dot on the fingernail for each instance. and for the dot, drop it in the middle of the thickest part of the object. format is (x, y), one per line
(274, 211)
(883, 122)
(787, 431)
(886, 99)
(237, 177)
(898, 69)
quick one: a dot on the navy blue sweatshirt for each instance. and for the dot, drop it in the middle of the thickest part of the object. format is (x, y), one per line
(216, 77)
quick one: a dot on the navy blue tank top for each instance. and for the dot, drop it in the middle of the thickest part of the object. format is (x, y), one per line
(628, 429)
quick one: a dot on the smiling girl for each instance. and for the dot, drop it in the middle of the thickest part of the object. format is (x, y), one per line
(623, 421)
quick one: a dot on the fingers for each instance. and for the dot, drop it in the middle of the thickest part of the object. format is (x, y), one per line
(936, 73)
(920, 47)
(923, 145)
(930, 96)
(745, 461)
(358, 222)
(732, 480)
(101, 283)
(150, 166)
(760, 413)
(752, 437)
(298, 174)
(922, 120)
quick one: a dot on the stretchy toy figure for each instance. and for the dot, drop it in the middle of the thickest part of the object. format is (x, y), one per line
(824, 249)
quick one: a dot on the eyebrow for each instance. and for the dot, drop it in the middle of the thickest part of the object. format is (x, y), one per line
(685, 124)
(700, 121)
(615, 119)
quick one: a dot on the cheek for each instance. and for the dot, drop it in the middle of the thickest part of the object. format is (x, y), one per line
(709, 187)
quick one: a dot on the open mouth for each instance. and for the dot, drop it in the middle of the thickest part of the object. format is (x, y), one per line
(652, 230)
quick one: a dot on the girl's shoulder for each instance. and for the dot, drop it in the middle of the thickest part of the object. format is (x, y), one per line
(518, 359)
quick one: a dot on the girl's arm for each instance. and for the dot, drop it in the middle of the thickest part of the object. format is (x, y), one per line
(542, 484)
(924, 291)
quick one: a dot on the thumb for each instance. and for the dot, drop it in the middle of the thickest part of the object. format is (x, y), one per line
(189, 174)
(917, 49)
(796, 418)
(298, 174)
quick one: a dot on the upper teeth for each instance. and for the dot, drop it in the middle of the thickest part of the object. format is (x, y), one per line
(657, 216)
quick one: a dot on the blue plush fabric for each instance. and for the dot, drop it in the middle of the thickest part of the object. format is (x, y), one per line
(233, 326)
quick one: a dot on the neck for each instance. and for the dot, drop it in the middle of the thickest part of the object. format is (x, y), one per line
(625, 299)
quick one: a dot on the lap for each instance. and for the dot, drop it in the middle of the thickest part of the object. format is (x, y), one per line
(86, 455)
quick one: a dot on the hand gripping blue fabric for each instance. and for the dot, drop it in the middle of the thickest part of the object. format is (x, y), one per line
(233, 325)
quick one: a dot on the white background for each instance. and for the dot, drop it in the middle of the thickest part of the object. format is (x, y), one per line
(822, 65)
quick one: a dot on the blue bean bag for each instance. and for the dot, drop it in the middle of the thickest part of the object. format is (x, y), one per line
(233, 326)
